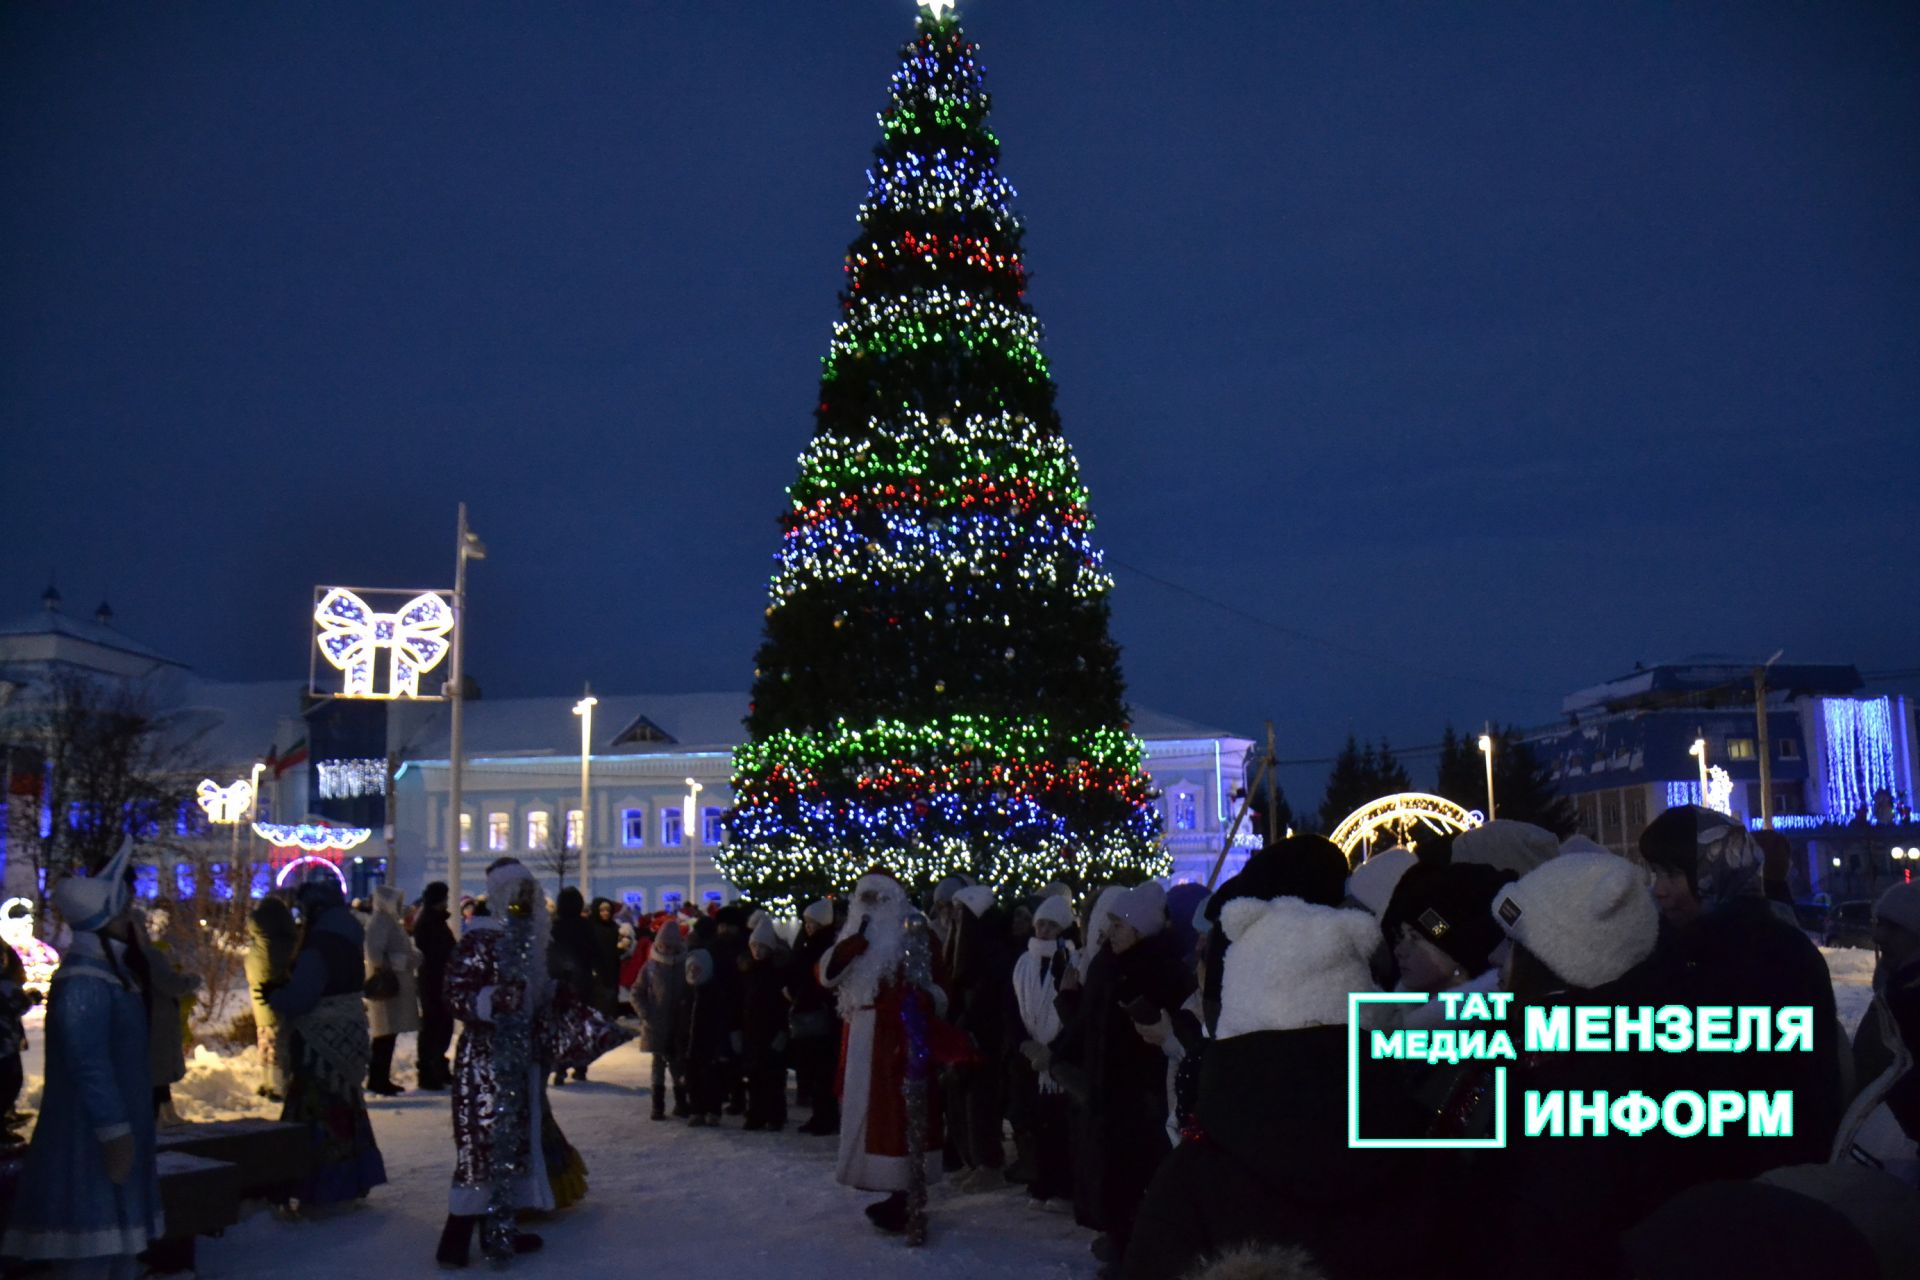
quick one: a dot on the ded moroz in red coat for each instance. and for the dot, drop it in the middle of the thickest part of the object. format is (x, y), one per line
(873, 1087)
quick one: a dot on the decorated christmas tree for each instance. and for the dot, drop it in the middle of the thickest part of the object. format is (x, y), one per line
(936, 691)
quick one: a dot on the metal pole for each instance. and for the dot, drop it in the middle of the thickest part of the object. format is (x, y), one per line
(687, 830)
(1273, 790)
(1766, 753)
(1486, 749)
(584, 709)
(456, 691)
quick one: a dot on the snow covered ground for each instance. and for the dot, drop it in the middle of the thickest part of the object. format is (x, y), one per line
(658, 1191)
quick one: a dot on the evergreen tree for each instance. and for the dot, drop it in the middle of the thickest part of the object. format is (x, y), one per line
(1389, 776)
(1523, 786)
(1349, 784)
(936, 690)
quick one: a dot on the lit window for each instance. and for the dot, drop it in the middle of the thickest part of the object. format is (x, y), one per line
(499, 832)
(670, 827)
(633, 828)
(671, 900)
(1740, 749)
(262, 879)
(466, 833)
(576, 823)
(1789, 748)
(538, 829)
(1185, 812)
(711, 828)
(183, 880)
(146, 881)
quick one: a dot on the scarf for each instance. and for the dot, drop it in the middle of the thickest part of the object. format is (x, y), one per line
(1036, 980)
(334, 1045)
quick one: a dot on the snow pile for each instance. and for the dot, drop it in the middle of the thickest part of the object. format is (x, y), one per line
(220, 1086)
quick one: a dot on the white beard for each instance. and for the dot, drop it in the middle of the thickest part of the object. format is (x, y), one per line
(886, 947)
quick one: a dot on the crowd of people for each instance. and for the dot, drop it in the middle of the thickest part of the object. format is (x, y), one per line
(1175, 1068)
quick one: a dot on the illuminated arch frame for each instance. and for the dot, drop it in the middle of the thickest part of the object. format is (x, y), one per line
(1403, 813)
(280, 879)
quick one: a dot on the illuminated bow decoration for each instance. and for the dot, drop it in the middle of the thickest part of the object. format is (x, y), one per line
(224, 805)
(351, 636)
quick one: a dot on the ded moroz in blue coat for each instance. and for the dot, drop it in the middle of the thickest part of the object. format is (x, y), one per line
(99, 1087)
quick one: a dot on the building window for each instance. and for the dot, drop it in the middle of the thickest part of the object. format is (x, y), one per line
(576, 826)
(1610, 819)
(712, 831)
(183, 880)
(1635, 815)
(1789, 748)
(466, 833)
(499, 832)
(1740, 749)
(671, 900)
(670, 834)
(1590, 816)
(146, 881)
(1185, 811)
(636, 900)
(633, 828)
(539, 831)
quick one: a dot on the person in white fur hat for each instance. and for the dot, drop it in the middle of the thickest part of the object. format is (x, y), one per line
(1037, 974)
(1271, 1164)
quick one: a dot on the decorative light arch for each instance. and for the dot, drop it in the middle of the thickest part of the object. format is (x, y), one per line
(312, 837)
(313, 859)
(1402, 814)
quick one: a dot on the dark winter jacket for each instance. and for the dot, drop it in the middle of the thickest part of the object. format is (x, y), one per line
(1872, 1054)
(661, 995)
(604, 935)
(331, 962)
(1738, 954)
(433, 938)
(713, 1013)
(812, 1011)
(980, 985)
(763, 1006)
(1271, 1166)
(1120, 1078)
(570, 948)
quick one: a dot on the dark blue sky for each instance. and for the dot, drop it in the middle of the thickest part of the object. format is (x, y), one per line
(1511, 343)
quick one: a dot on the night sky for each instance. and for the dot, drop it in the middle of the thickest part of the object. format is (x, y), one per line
(1487, 349)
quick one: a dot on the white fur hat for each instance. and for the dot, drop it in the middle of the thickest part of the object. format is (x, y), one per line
(820, 912)
(1055, 909)
(1144, 907)
(764, 934)
(1373, 882)
(1589, 916)
(976, 898)
(1506, 845)
(1292, 964)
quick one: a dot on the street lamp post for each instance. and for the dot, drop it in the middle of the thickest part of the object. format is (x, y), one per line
(1699, 752)
(584, 709)
(1486, 749)
(467, 547)
(688, 832)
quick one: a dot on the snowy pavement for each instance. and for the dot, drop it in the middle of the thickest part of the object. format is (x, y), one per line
(658, 1191)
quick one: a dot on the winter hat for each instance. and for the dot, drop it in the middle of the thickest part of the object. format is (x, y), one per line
(1746, 1229)
(1292, 965)
(944, 891)
(1310, 868)
(1715, 852)
(669, 943)
(764, 934)
(1452, 907)
(1518, 847)
(1899, 906)
(820, 912)
(1056, 910)
(88, 903)
(1144, 907)
(434, 895)
(1589, 917)
(699, 967)
(1580, 843)
(755, 920)
(976, 898)
(1373, 882)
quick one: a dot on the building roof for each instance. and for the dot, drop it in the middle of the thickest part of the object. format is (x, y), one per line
(234, 723)
(1709, 681)
(44, 621)
(642, 724)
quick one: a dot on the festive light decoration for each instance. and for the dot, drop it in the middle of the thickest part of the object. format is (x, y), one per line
(351, 635)
(1860, 757)
(937, 690)
(1719, 790)
(511, 1135)
(39, 959)
(312, 837)
(1679, 793)
(224, 806)
(1402, 815)
(349, 779)
(310, 860)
